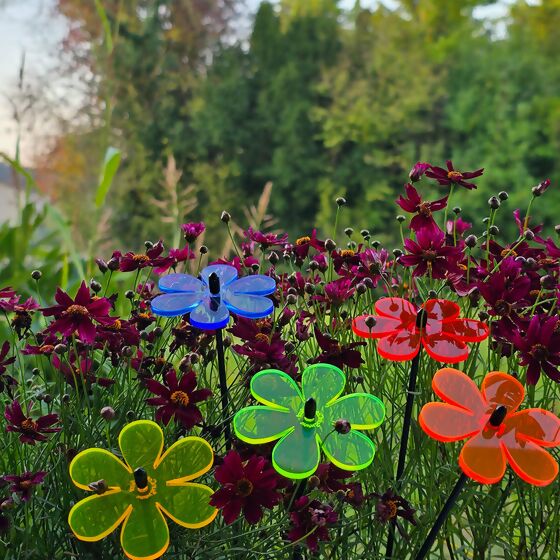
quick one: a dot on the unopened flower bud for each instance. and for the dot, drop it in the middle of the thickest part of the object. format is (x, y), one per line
(313, 482)
(340, 201)
(364, 233)
(107, 413)
(397, 253)
(65, 398)
(309, 288)
(291, 299)
(503, 195)
(342, 426)
(457, 210)
(36, 275)
(203, 250)
(330, 245)
(493, 230)
(127, 351)
(529, 235)
(148, 244)
(494, 202)
(130, 416)
(470, 241)
(376, 244)
(113, 264)
(548, 282)
(349, 231)
(361, 288)
(541, 188)
(101, 265)
(370, 322)
(400, 218)
(95, 286)
(129, 294)
(432, 294)
(60, 349)
(273, 258)
(225, 217)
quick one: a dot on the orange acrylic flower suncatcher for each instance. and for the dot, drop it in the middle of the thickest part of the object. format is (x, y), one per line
(497, 432)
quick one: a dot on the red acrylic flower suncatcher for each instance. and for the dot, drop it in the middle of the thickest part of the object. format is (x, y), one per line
(497, 432)
(402, 328)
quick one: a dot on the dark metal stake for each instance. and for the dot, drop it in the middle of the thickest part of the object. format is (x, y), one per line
(223, 387)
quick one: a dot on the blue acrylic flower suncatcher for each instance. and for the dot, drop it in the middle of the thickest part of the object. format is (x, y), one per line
(210, 299)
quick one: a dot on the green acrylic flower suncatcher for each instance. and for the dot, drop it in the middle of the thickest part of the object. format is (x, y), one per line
(304, 420)
(142, 490)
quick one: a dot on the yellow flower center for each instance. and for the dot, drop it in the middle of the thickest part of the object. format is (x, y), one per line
(77, 311)
(180, 397)
(140, 258)
(29, 425)
(303, 240)
(347, 253)
(454, 175)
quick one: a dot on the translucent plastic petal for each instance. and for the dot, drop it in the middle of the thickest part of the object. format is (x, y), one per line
(187, 459)
(363, 411)
(536, 425)
(501, 388)
(446, 422)
(483, 459)
(322, 382)
(529, 460)
(457, 388)
(296, 455)
(187, 505)
(397, 308)
(210, 315)
(93, 464)
(97, 516)
(226, 273)
(141, 443)
(441, 309)
(246, 305)
(276, 389)
(181, 283)
(175, 304)
(467, 330)
(444, 348)
(257, 284)
(400, 346)
(352, 451)
(261, 424)
(383, 326)
(145, 535)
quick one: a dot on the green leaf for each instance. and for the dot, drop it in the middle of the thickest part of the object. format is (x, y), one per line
(110, 165)
(63, 227)
(106, 26)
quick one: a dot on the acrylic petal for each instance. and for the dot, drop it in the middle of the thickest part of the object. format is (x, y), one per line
(97, 516)
(210, 315)
(247, 305)
(467, 330)
(444, 348)
(483, 459)
(529, 460)
(141, 443)
(277, 390)
(262, 424)
(175, 304)
(363, 411)
(400, 346)
(187, 459)
(383, 326)
(322, 382)
(501, 388)
(457, 388)
(145, 535)
(296, 455)
(257, 285)
(398, 308)
(352, 451)
(94, 464)
(536, 425)
(188, 505)
(181, 283)
(225, 272)
(446, 422)
(441, 309)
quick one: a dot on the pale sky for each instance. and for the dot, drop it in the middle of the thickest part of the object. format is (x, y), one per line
(31, 26)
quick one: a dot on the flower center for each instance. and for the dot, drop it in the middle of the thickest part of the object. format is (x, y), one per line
(507, 253)
(303, 240)
(180, 397)
(261, 337)
(539, 352)
(262, 324)
(46, 349)
(424, 210)
(392, 508)
(25, 484)
(29, 425)
(77, 311)
(503, 307)
(117, 325)
(454, 175)
(347, 253)
(140, 258)
(429, 256)
(244, 487)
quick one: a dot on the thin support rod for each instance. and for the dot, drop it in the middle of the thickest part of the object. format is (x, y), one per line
(223, 387)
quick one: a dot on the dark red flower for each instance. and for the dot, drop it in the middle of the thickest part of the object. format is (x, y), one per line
(30, 430)
(423, 210)
(391, 506)
(175, 257)
(6, 380)
(403, 329)
(303, 244)
(331, 478)
(337, 354)
(266, 240)
(79, 375)
(177, 398)
(135, 261)
(247, 487)
(337, 292)
(311, 520)
(539, 348)
(429, 254)
(418, 170)
(78, 315)
(451, 176)
(23, 484)
(192, 230)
